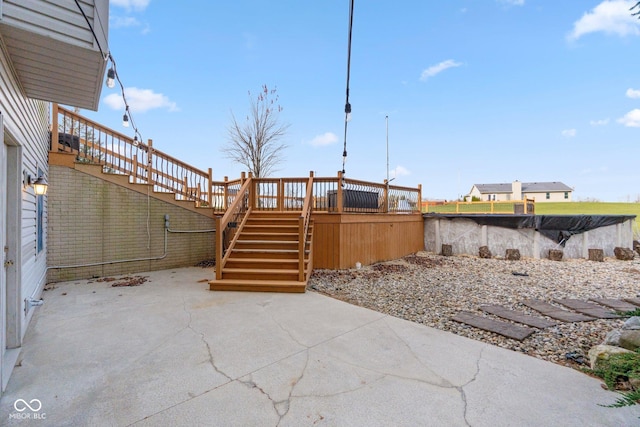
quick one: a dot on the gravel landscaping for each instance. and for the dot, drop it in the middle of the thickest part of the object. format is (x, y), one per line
(430, 289)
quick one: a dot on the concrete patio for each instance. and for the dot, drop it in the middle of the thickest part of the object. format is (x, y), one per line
(170, 352)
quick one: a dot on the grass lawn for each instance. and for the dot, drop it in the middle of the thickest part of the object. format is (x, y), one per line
(590, 208)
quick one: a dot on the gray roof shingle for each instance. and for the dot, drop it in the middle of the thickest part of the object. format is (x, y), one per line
(527, 187)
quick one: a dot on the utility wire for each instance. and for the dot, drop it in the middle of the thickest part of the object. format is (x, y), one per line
(108, 56)
(86, 18)
(124, 99)
(347, 105)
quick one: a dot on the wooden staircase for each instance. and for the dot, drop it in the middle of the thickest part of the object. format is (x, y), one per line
(265, 257)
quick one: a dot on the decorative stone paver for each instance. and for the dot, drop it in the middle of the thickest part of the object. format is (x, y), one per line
(634, 301)
(518, 316)
(554, 312)
(616, 304)
(503, 328)
(583, 311)
(588, 308)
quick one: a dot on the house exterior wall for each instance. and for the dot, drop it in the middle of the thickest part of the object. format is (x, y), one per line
(25, 131)
(553, 196)
(59, 19)
(93, 221)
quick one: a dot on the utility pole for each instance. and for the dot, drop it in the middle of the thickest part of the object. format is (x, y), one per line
(386, 118)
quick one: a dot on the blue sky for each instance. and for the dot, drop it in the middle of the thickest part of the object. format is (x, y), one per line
(476, 91)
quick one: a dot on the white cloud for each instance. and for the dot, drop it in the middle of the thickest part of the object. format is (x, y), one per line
(138, 5)
(400, 171)
(611, 17)
(326, 138)
(633, 93)
(512, 2)
(569, 133)
(140, 100)
(123, 21)
(631, 119)
(601, 122)
(438, 68)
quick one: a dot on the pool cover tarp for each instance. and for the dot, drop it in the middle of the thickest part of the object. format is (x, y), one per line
(555, 227)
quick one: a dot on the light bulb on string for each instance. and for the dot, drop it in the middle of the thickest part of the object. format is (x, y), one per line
(111, 78)
(125, 120)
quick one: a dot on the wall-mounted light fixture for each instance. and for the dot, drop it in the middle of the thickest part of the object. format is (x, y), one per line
(40, 185)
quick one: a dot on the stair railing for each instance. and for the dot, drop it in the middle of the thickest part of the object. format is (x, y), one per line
(120, 154)
(229, 225)
(303, 230)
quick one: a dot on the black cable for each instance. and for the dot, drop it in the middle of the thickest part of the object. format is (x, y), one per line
(136, 134)
(124, 99)
(91, 28)
(347, 105)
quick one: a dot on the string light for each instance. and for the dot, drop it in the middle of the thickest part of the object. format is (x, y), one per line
(347, 105)
(127, 118)
(111, 77)
(112, 73)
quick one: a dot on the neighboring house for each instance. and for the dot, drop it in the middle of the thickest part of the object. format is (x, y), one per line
(50, 51)
(538, 191)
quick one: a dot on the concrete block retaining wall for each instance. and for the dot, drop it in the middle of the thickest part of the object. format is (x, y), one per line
(92, 221)
(466, 236)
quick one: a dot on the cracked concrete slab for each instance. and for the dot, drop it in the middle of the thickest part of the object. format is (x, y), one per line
(170, 352)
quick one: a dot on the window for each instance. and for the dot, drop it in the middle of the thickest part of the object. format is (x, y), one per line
(566, 194)
(548, 196)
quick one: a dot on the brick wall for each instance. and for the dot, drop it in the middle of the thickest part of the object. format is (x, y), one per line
(94, 221)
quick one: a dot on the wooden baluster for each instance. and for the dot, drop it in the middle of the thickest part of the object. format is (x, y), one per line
(225, 194)
(339, 192)
(210, 188)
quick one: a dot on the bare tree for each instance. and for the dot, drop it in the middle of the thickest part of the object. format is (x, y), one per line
(637, 12)
(257, 142)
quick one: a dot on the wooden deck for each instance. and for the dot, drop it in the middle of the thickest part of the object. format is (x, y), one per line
(340, 240)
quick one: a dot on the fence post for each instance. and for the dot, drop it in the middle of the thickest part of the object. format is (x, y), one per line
(420, 198)
(225, 193)
(55, 140)
(252, 192)
(339, 192)
(219, 254)
(386, 196)
(210, 188)
(280, 198)
(150, 162)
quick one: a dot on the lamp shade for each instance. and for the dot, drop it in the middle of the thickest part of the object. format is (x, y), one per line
(40, 186)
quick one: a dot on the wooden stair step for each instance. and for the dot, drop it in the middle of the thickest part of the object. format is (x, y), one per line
(263, 263)
(258, 285)
(244, 236)
(260, 273)
(270, 228)
(264, 252)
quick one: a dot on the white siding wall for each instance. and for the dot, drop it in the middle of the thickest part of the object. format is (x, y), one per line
(60, 19)
(26, 125)
(553, 197)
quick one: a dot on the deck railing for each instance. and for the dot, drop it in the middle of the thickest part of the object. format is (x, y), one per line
(526, 206)
(230, 223)
(120, 154)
